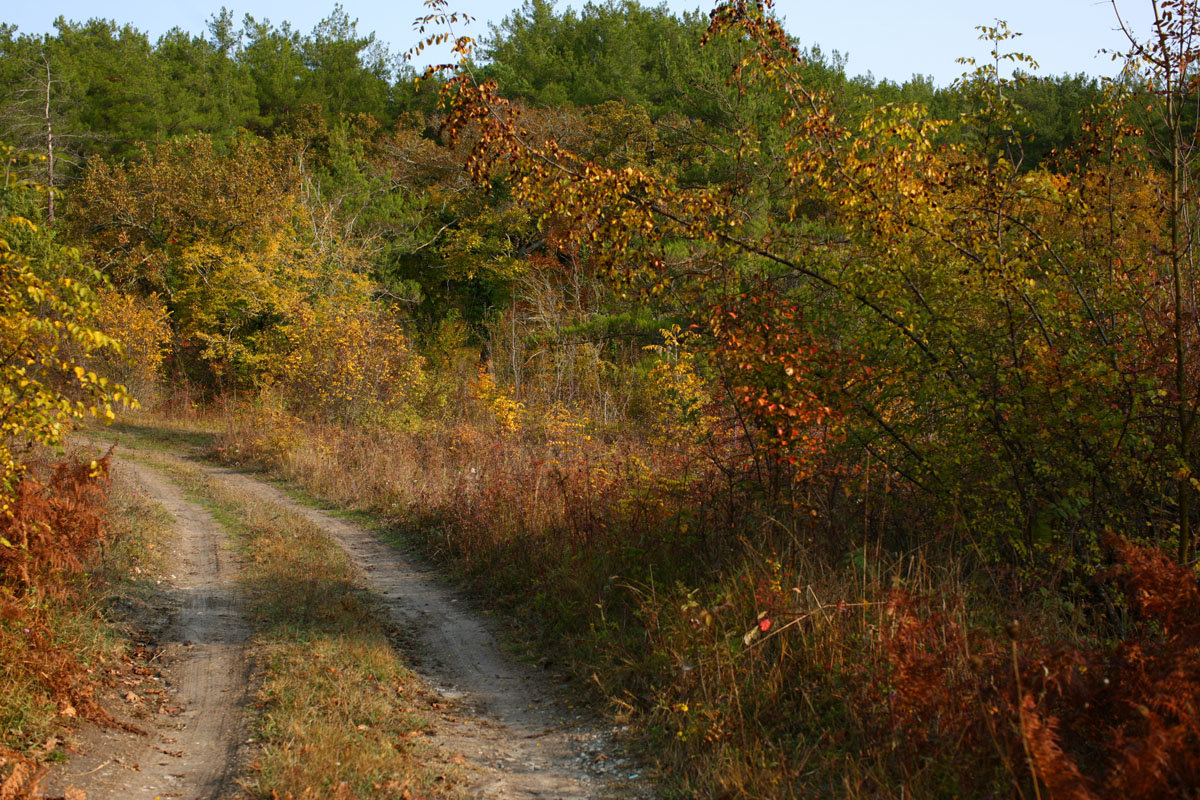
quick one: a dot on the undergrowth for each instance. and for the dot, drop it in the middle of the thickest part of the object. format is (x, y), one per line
(753, 661)
(77, 558)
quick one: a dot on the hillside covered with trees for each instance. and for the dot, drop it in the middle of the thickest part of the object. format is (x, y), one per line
(841, 437)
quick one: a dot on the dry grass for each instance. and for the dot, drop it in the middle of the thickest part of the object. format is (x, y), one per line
(630, 573)
(750, 662)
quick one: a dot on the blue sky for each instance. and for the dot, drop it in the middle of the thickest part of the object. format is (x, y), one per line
(889, 38)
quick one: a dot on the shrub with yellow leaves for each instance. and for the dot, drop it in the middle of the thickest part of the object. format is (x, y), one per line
(672, 393)
(347, 359)
(503, 409)
(142, 326)
(47, 332)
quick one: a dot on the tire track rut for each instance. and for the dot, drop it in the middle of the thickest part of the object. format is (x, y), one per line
(507, 721)
(190, 754)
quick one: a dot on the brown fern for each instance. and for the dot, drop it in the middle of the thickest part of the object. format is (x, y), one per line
(1083, 722)
(19, 777)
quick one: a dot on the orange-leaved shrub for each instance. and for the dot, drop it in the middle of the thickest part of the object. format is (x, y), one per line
(52, 524)
(55, 523)
(1113, 717)
(20, 777)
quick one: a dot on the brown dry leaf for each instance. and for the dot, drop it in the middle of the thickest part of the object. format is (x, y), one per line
(752, 636)
(15, 781)
(23, 781)
(74, 794)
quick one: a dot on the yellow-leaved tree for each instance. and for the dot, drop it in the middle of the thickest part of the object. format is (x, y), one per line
(47, 333)
(215, 233)
(346, 358)
(142, 326)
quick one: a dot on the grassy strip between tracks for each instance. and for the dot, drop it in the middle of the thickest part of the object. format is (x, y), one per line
(337, 712)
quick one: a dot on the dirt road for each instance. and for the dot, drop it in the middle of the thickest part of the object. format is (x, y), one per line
(508, 720)
(190, 748)
(508, 724)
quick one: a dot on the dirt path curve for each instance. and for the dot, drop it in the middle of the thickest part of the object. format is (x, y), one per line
(192, 752)
(509, 722)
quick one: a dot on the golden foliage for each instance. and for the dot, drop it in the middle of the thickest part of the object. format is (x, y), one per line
(47, 330)
(347, 358)
(141, 217)
(676, 394)
(142, 326)
(219, 237)
(504, 410)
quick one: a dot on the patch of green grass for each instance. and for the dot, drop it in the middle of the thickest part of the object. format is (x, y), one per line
(335, 703)
(151, 433)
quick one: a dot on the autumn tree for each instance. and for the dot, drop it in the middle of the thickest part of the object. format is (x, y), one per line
(1168, 61)
(47, 333)
(881, 280)
(217, 236)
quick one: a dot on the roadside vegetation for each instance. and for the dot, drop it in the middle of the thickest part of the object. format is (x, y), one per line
(91, 552)
(841, 436)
